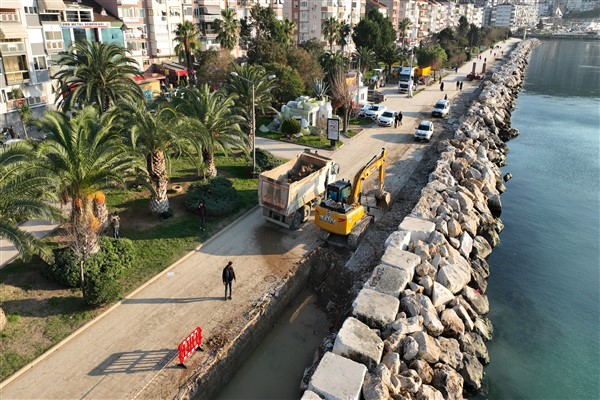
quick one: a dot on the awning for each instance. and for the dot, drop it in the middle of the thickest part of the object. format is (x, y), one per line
(46, 5)
(11, 4)
(175, 69)
(210, 10)
(12, 31)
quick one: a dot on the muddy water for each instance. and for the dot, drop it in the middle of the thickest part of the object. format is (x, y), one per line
(275, 368)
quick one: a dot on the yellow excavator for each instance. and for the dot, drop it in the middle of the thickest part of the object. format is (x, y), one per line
(341, 213)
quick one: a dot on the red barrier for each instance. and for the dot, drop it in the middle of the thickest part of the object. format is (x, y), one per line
(187, 347)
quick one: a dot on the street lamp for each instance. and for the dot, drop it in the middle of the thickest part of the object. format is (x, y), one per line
(253, 124)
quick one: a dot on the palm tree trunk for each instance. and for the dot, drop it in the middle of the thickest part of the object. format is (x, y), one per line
(100, 210)
(84, 233)
(209, 161)
(157, 170)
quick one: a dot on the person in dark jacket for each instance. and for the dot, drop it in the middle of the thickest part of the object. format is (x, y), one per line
(228, 277)
(399, 116)
(202, 213)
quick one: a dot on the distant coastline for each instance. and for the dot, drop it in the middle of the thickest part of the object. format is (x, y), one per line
(565, 36)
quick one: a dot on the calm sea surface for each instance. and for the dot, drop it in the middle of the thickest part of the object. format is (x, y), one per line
(544, 286)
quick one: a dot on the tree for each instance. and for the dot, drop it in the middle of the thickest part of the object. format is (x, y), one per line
(25, 115)
(331, 62)
(215, 66)
(331, 31)
(263, 93)
(97, 74)
(152, 134)
(227, 29)
(84, 155)
(289, 30)
(365, 57)
(374, 31)
(306, 64)
(313, 46)
(186, 34)
(340, 95)
(265, 51)
(431, 55)
(344, 36)
(463, 26)
(403, 26)
(390, 55)
(21, 198)
(289, 86)
(219, 123)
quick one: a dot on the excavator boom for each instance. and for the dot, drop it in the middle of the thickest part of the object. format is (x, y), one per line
(377, 162)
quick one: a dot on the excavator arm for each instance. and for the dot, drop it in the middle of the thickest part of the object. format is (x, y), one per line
(375, 163)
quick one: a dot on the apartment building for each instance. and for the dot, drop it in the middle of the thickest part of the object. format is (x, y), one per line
(514, 16)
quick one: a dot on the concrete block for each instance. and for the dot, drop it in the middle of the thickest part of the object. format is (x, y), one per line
(375, 309)
(310, 395)
(338, 378)
(419, 229)
(358, 342)
(388, 280)
(399, 239)
(401, 259)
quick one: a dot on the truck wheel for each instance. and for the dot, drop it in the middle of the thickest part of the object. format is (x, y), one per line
(297, 220)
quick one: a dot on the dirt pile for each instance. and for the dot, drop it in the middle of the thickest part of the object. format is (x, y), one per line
(301, 173)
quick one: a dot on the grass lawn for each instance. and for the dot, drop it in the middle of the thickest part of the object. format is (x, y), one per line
(40, 312)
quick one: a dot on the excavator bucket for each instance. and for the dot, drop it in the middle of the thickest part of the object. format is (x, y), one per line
(384, 199)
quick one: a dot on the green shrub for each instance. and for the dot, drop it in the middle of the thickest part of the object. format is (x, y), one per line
(266, 160)
(101, 289)
(290, 126)
(113, 259)
(218, 194)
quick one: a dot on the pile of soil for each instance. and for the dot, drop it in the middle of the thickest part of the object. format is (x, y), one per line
(301, 173)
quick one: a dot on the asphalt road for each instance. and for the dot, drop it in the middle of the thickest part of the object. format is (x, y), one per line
(126, 351)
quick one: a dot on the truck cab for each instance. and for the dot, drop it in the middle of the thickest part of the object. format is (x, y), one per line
(406, 79)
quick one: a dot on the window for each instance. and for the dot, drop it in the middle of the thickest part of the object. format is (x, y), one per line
(140, 12)
(78, 15)
(31, 10)
(54, 40)
(9, 17)
(11, 45)
(39, 63)
(15, 68)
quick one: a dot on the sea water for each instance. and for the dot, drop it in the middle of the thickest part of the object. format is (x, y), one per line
(544, 282)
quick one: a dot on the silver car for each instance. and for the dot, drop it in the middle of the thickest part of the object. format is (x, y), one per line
(375, 111)
(441, 108)
(424, 131)
(387, 118)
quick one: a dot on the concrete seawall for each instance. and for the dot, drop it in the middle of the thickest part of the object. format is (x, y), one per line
(418, 327)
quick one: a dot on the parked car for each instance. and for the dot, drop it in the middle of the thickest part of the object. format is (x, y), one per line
(441, 108)
(364, 108)
(387, 118)
(375, 111)
(424, 131)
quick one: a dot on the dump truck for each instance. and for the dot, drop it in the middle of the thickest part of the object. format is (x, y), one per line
(288, 193)
(406, 79)
(422, 75)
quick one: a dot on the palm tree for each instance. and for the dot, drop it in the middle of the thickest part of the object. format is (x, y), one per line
(21, 198)
(85, 155)
(289, 30)
(227, 29)
(153, 133)
(365, 58)
(389, 55)
(331, 62)
(331, 31)
(263, 93)
(403, 26)
(98, 74)
(186, 34)
(220, 124)
(344, 35)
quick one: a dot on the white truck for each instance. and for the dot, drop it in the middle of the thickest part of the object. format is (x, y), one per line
(406, 78)
(290, 191)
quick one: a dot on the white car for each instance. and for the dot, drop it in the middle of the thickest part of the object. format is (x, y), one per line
(364, 108)
(375, 111)
(387, 118)
(424, 131)
(441, 108)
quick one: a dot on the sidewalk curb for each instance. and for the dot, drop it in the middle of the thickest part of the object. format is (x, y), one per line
(73, 335)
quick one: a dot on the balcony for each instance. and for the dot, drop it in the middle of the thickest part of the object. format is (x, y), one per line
(16, 77)
(9, 17)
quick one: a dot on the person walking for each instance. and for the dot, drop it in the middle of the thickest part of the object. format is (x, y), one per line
(456, 69)
(115, 221)
(461, 86)
(202, 213)
(395, 120)
(457, 85)
(228, 277)
(400, 117)
(442, 86)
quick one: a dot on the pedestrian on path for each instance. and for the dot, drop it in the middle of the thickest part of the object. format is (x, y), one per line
(461, 86)
(399, 116)
(456, 69)
(457, 85)
(115, 221)
(395, 120)
(442, 86)
(202, 213)
(446, 96)
(228, 277)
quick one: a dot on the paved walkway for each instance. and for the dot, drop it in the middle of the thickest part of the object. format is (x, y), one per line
(129, 351)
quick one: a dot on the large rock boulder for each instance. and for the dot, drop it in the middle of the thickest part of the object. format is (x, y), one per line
(431, 322)
(440, 295)
(478, 301)
(388, 280)
(398, 239)
(453, 326)
(408, 325)
(358, 342)
(473, 344)
(393, 362)
(481, 247)
(428, 348)
(401, 259)
(310, 395)
(410, 348)
(423, 369)
(409, 381)
(3, 320)
(471, 371)
(338, 378)
(419, 229)
(427, 392)
(378, 310)
(447, 381)
(483, 326)
(410, 305)
(374, 388)
(450, 353)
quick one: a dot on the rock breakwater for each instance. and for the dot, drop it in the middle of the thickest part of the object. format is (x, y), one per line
(418, 326)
